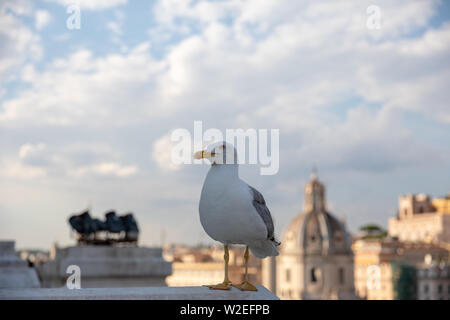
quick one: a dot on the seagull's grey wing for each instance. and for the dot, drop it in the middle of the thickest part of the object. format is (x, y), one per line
(260, 205)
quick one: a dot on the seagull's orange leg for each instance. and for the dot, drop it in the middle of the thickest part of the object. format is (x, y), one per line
(246, 285)
(226, 284)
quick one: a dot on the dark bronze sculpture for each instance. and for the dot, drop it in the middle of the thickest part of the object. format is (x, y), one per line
(115, 229)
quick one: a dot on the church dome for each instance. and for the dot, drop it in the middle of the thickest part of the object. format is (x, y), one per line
(315, 230)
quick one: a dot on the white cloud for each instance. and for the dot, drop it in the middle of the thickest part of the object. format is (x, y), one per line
(106, 169)
(273, 67)
(19, 7)
(35, 160)
(27, 165)
(270, 57)
(42, 19)
(18, 42)
(368, 140)
(114, 27)
(29, 149)
(92, 4)
(118, 89)
(162, 154)
(17, 170)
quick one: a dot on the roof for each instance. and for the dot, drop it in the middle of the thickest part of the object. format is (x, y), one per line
(316, 232)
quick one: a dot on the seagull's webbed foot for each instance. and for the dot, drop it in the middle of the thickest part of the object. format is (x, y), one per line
(226, 285)
(245, 286)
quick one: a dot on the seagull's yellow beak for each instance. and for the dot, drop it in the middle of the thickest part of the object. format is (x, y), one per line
(203, 155)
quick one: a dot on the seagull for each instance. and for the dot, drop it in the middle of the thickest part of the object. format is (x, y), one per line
(232, 212)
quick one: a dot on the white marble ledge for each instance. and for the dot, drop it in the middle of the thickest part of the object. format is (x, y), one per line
(141, 293)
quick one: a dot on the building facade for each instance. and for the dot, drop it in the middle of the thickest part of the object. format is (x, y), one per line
(316, 259)
(433, 281)
(106, 266)
(200, 266)
(385, 269)
(15, 272)
(421, 219)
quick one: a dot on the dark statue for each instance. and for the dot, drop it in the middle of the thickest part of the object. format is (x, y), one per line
(115, 229)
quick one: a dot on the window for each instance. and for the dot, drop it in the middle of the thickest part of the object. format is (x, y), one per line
(425, 288)
(314, 275)
(448, 289)
(288, 275)
(341, 276)
(440, 288)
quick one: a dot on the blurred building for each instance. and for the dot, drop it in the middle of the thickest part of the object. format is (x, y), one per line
(421, 219)
(15, 272)
(102, 266)
(205, 265)
(385, 269)
(392, 267)
(316, 259)
(433, 281)
(34, 256)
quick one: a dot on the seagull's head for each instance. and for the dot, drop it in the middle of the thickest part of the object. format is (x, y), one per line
(218, 153)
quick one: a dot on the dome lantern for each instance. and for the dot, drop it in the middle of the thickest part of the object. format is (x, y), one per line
(314, 194)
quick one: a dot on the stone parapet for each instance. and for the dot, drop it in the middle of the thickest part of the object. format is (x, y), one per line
(147, 293)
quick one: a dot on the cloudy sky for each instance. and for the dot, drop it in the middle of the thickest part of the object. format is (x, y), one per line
(86, 114)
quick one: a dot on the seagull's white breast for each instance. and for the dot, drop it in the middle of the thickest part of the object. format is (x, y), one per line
(226, 209)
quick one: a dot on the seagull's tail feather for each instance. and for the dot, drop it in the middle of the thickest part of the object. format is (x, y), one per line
(264, 248)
